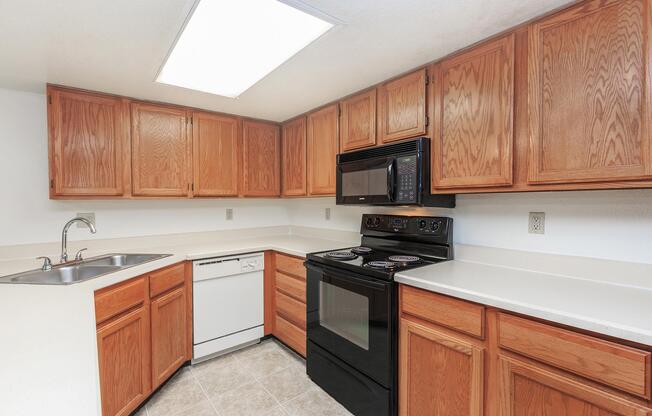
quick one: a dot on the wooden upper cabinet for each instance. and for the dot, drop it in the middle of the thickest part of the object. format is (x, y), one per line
(531, 389)
(294, 158)
(358, 121)
(261, 159)
(440, 374)
(473, 107)
(87, 140)
(402, 107)
(589, 92)
(216, 154)
(322, 150)
(160, 150)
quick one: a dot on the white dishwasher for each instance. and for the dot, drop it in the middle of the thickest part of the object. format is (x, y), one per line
(228, 303)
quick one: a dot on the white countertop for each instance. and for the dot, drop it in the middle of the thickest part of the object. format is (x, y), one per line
(610, 298)
(48, 350)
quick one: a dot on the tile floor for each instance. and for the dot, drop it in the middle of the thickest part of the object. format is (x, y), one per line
(262, 380)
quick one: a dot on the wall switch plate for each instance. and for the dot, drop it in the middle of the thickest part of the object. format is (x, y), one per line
(327, 214)
(229, 214)
(537, 223)
(90, 216)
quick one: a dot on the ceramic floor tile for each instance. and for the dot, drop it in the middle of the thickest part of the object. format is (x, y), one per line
(315, 402)
(176, 397)
(267, 363)
(222, 374)
(287, 384)
(248, 400)
(203, 409)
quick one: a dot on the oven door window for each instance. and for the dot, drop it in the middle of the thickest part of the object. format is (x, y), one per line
(344, 313)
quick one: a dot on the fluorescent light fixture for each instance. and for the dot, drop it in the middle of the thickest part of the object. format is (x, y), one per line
(229, 45)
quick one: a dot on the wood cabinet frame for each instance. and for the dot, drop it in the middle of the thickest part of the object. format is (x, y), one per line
(465, 139)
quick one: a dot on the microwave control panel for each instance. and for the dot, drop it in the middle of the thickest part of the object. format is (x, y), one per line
(406, 178)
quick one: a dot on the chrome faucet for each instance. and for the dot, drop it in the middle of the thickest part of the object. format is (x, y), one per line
(64, 236)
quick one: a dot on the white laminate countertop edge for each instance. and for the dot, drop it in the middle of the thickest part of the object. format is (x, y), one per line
(617, 310)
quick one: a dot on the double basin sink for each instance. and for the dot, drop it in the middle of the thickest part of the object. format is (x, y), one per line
(83, 270)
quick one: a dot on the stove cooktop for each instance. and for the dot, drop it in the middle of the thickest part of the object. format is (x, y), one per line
(379, 263)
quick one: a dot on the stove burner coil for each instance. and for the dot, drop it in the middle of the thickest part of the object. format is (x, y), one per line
(381, 264)
(404, 259)
(361, 250)
(341, 255)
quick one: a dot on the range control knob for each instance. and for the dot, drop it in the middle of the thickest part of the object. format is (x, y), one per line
(435, 226)
(376, 221)
(422, 224)
(369, 222)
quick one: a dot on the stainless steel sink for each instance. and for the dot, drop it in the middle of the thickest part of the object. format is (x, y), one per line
(83, 270)
(123, 260)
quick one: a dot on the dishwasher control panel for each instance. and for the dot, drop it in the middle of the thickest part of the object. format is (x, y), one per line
(227, 266)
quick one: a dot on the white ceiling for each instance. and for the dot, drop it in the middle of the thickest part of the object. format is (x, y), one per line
(118, 46)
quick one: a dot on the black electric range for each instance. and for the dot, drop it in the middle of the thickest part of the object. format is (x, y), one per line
(352, 308)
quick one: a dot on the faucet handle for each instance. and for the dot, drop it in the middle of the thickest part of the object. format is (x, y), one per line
(47, 263)
(78, 256)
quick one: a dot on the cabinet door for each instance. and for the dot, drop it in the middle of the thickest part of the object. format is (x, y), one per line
(322, 151)
(439, 374)
(358, 121)
(169, 329)
(216, 150)
(261, 159)
(87, 140)
(160, 150)
(529, 390)
(473, 101)
(294, 158)
(124, 356)
(402, 107)
(589, 91)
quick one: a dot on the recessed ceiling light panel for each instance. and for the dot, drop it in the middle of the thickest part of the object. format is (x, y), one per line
(229, 45)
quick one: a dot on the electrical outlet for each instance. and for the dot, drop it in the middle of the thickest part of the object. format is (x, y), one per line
(229, 214)
(90, 216)
(537, 223)
(327, 214)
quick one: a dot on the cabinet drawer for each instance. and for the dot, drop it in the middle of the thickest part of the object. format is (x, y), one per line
(453, 313)
(291, 286)
(163, 280)
(291, 265)
(114, 300)
(290, 334)
(619, 366)
(291, 309)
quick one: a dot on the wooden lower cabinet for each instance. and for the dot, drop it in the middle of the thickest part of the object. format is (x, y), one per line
(521, 367)
(123, 348)
(286, 297)
(142, 339)
(532, 390)
(169, 323)
(440, 374)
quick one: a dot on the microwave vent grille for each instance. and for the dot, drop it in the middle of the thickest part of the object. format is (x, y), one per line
(411, 146)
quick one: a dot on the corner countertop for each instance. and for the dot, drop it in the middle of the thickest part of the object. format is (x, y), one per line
(607, 297)
(48, 353)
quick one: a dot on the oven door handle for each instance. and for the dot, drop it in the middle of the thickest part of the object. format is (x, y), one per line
(390, 181)
(328, 273)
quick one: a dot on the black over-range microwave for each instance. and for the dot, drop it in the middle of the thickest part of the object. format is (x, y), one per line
(395, 174)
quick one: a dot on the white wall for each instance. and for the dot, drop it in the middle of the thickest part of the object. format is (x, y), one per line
(607, 224)
(28, 216)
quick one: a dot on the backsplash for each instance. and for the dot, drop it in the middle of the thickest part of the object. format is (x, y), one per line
(604, 224)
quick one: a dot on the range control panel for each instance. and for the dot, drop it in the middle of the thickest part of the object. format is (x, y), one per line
(399, 224)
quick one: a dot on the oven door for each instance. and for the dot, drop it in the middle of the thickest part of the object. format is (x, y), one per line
(368, 181)
(353, 318)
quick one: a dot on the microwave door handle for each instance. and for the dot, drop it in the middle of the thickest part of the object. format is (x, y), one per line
(390, 181)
